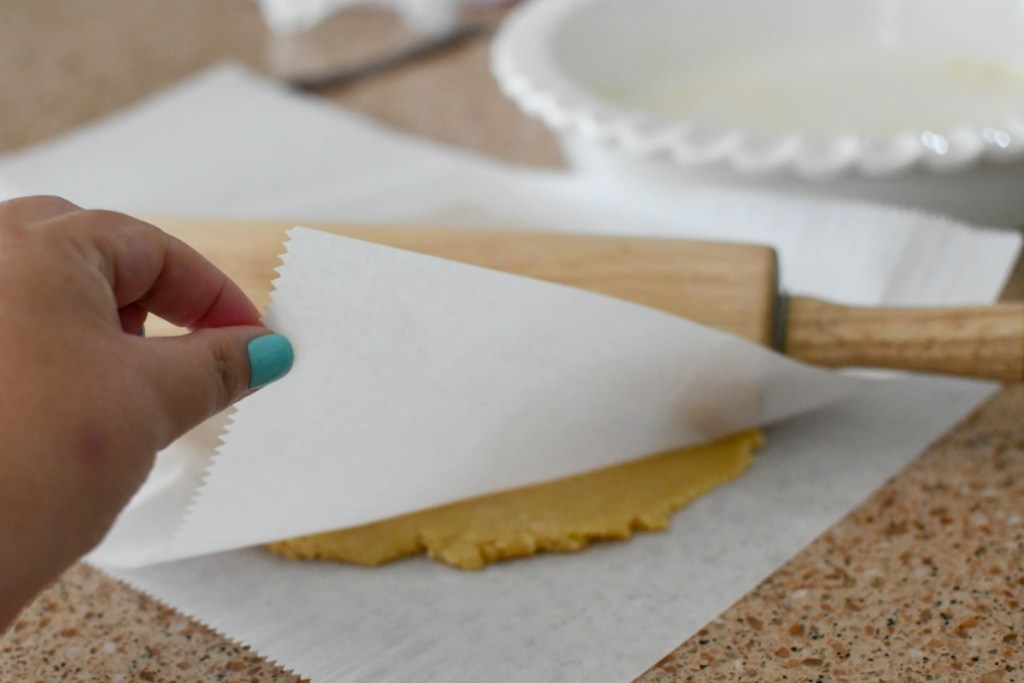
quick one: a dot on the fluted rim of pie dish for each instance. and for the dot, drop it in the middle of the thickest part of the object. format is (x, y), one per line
(526, 72)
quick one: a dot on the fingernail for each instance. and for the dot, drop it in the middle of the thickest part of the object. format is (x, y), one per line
(270, 358)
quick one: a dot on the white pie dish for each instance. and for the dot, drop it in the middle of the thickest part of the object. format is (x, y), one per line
(855, 93)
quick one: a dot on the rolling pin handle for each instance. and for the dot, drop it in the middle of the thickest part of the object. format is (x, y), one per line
(985, 342)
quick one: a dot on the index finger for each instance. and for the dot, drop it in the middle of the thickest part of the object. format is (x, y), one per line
(155, 271)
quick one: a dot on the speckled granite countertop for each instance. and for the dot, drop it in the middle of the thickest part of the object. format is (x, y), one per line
(923, 582)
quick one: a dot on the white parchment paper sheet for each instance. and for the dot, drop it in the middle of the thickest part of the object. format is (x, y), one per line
(419, 381)
(228, 143)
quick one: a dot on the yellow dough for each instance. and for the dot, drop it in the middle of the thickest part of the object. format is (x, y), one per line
(563, 515)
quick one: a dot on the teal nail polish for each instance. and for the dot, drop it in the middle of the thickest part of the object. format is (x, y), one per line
(270, 358)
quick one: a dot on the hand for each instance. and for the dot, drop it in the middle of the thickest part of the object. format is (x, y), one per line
(85, 400)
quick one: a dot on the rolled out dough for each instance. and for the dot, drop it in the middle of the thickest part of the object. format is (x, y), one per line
(563, 515)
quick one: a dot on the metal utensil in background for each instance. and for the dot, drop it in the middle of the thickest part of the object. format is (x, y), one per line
(338, 53)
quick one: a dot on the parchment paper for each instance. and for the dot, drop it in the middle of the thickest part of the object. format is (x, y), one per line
(420, 381)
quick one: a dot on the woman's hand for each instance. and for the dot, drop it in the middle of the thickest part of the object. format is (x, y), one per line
(86, 401)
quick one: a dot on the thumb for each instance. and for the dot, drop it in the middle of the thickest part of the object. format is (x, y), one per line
(199, 374)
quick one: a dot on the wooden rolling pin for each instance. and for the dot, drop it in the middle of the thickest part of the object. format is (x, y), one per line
(731, 287)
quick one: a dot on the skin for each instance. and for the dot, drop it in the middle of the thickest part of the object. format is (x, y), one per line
(85, 401)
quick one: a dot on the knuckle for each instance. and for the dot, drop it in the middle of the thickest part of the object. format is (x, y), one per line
(33, 209)
(103, 219)
(229, 378)
(41, 203)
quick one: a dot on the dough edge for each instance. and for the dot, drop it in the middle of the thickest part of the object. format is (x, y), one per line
(564, 515)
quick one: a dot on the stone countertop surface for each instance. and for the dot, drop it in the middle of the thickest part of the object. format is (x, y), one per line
(922, 582)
